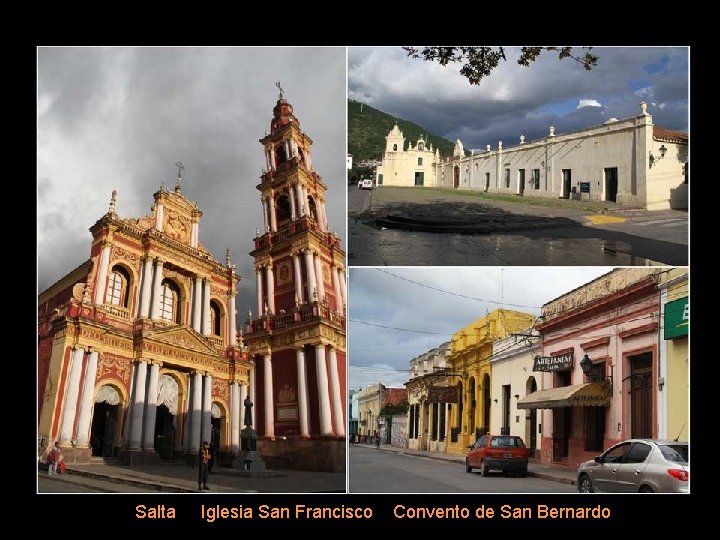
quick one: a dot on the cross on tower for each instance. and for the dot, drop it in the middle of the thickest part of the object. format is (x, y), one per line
(180, 167)
(282, 95)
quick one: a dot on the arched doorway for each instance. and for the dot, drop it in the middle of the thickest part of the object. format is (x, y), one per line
(531, 418)
(456, 177)
(105, 420)
(472, 403)
(166, 416)
(216, 421)
(486, 403)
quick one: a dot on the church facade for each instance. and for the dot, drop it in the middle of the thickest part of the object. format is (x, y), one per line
(138, 354)
(296, 340)
(629, 162)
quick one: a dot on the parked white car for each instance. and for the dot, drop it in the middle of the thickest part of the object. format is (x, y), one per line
(366, 184)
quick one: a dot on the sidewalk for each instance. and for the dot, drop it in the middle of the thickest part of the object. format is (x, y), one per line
(564, 475)
(181, 478)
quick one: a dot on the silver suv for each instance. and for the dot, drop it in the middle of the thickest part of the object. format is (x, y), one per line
(638, 465)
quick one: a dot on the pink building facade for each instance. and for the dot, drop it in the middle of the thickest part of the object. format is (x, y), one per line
(610, 327)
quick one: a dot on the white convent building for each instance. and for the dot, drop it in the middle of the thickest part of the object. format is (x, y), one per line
(630, 162)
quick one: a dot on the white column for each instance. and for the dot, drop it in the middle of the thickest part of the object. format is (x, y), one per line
(302, 393)
(299, 200)
(343, 290)
(151, 408)
(339, 303)
(323, 217)
(271, 288)
(266, 220)
(310, 269)
(293, 212)
(234, 418)
(273, 217)
(100, 281)
(157, 281)
(253, 383)
(232, 312)
(243, 395)
(319, 278)
(305, 200)
(259, 289)
(298, 277)
(272, 158)
(71, 396)
(194, 443)
(159, 215)
(437, 422)
(86, 401)
(194, 234)
(138, 405)
(197, 304)
(323, 393)
(336, 396)
(206, 405)
(206, 308)
(146, 287)
(268, 386)
(308, 160)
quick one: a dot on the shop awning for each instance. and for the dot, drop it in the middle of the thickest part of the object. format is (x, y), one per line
(442, 394)
(594, 394)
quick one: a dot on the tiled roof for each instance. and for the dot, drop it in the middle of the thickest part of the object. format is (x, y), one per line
(669, 135)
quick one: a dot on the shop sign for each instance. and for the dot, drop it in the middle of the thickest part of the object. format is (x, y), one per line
(553, 363)
(677, 318)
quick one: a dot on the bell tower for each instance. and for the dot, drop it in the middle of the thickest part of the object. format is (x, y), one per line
(297, 338)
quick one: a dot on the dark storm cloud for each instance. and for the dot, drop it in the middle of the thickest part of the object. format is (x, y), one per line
(119, 118)
(515, 100)
(382, 354)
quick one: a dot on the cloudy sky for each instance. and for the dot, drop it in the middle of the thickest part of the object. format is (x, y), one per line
(517, 100)
(421, 318)
(119, 118)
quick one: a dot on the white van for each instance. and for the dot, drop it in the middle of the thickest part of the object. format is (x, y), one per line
(366, 184)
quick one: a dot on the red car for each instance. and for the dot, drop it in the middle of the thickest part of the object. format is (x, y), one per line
(504, 452)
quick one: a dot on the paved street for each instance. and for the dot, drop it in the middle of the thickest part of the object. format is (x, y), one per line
(66, 483)
(379, 471)
(546, 232)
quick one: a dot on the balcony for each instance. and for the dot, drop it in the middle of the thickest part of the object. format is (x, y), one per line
(308, 313)
(117, 311)
(217, 341)
(291, 228)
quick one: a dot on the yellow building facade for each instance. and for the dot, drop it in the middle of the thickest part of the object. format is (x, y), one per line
(472, 348)
(413, 166)
(674, 365)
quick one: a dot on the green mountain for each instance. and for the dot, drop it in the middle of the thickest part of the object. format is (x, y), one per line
(368, 127)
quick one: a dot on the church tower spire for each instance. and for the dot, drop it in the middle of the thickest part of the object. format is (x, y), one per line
(297, 340)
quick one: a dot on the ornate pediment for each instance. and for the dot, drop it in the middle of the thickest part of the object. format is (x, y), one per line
(183, 337)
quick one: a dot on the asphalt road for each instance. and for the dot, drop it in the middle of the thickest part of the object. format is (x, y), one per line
(375, 471)
(632, 238)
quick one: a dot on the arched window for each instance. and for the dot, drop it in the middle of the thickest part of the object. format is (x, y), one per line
(280, 155)
(169, 302)
(301, 156)
(421, 146)
(117, 289)
(394, 147)
(313, 208)
(215, 318)
(283, 208)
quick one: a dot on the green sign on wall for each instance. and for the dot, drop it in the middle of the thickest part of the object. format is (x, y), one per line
(677, 318)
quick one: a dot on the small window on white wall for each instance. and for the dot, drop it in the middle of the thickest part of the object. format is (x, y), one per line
(420, 162)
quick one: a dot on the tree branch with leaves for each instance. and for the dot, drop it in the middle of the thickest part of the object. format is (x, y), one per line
(479, 62)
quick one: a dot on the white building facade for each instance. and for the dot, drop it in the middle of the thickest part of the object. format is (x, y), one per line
(630, 162)
(413, 166)
(430, 396)
(513, 378)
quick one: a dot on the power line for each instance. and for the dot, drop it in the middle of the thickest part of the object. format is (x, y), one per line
(455, 294)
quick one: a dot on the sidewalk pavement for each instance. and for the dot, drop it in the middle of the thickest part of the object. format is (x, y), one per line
(555, 473)
(181, 478)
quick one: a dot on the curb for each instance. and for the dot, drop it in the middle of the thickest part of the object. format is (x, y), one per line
(162, 487)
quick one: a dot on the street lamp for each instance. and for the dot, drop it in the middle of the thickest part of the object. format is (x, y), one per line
(586, 365)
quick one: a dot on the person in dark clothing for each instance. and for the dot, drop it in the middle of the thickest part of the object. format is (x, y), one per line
(205, 456)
